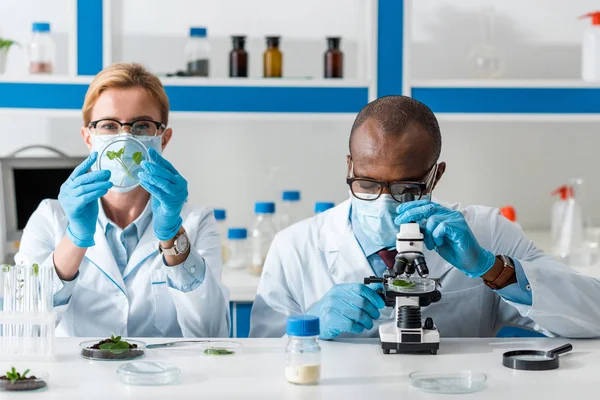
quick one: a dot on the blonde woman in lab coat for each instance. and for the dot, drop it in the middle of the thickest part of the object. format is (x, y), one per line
(137, 261)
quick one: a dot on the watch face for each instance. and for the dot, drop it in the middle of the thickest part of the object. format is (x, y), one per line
(183, 243)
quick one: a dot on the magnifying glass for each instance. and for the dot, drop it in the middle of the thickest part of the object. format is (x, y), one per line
(534, 360)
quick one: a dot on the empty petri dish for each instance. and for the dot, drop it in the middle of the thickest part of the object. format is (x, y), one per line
(123, 156)
(448, 382)
(221, 348)
(148, 373)
(33, 381)
(91, 350)
(411, 285)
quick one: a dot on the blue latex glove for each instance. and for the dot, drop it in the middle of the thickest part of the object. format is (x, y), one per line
(447, 232)
(348, 307)
(169, 194)
(78, 198)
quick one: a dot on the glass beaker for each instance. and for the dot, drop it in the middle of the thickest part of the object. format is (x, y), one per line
(123, 156)
(486, 59)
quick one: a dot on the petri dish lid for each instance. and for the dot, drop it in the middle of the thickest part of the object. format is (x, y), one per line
(412, 285)
(123, 156)
(448, 382)
(148, 373)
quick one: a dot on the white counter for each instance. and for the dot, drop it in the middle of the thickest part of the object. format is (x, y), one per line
(241, 283)
(356, 370)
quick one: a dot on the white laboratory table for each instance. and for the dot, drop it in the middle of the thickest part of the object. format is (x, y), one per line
(354, 369)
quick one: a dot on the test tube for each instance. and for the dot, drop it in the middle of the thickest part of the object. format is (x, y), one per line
(45, 307)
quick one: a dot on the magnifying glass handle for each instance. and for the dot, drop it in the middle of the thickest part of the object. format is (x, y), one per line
(562, 349)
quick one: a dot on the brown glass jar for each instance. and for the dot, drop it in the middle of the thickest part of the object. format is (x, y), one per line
(238, 58)
(334, 59)
(273, 58)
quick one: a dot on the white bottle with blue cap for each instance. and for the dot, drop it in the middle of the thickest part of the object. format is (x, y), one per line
(303, 354)
(221, 217)
(290, 209)
(262, 235)
(42, 50)
(197, 52)
(322, 206)
(237, 249)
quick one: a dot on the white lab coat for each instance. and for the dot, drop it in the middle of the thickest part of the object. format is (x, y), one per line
(137, 302)
(310, 257)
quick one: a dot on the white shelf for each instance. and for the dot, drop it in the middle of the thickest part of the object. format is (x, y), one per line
(503, 83)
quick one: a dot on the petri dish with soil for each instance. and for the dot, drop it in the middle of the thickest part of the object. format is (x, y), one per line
(33, 382)
(112, 350)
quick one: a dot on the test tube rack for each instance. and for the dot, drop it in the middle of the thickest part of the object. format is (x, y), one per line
(27, 320)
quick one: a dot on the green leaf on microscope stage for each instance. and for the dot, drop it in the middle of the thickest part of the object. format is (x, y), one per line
(403, 283)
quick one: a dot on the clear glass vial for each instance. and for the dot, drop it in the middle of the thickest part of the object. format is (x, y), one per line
(237, 249)
(303, 354)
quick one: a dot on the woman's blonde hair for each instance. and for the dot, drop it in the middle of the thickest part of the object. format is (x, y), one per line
(122, 76)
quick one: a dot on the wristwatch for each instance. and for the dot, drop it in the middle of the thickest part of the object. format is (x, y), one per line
(506, 277)
(180, 245)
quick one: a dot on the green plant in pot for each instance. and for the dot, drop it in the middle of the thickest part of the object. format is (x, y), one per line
(5, 45)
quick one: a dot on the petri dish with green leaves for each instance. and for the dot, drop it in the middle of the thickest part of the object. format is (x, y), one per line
(123, 156)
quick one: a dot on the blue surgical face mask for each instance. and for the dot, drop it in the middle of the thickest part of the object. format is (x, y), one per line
(375, 219)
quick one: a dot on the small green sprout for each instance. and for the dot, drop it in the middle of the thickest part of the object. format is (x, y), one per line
(118, 156)
(36, 269)
(6, 44)
(115, 345)
(403, 283)
(13, 376)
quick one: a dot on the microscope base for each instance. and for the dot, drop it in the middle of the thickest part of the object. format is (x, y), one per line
(403, 348)
(416, 340)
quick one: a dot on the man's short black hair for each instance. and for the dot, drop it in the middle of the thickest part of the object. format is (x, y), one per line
(395, 113)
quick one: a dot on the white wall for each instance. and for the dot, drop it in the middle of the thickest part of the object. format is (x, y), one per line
(228, 163)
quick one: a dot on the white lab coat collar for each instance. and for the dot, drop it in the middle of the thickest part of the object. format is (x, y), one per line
(341, 246)
(146, 247)
(337, 241)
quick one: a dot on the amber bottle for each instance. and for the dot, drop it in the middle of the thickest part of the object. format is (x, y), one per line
(273, 58)
(334, 59)
(238, 58)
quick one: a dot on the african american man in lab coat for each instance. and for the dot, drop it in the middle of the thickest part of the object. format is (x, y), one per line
(490, 274)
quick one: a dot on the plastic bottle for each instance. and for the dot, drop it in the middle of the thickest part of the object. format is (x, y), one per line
(590, 49)
(273, 59)
(564, 193)
(303, 354)
(197, 53)
(322, 206)
(221, 217)
(262, 234)
(334, 59)
(569, 243)
(238, 58)
(289, 213)
(237, 248)
(42, 50)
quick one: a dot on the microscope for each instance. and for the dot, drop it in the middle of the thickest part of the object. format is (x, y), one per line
(407, 332)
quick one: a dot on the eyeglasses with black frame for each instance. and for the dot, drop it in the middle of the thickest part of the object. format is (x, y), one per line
(370, 189)
(141, 127)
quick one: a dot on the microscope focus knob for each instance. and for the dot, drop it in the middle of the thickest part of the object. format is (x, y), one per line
(428, 323)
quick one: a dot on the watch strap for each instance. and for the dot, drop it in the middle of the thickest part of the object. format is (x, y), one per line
(507, 276)
(172, 251)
